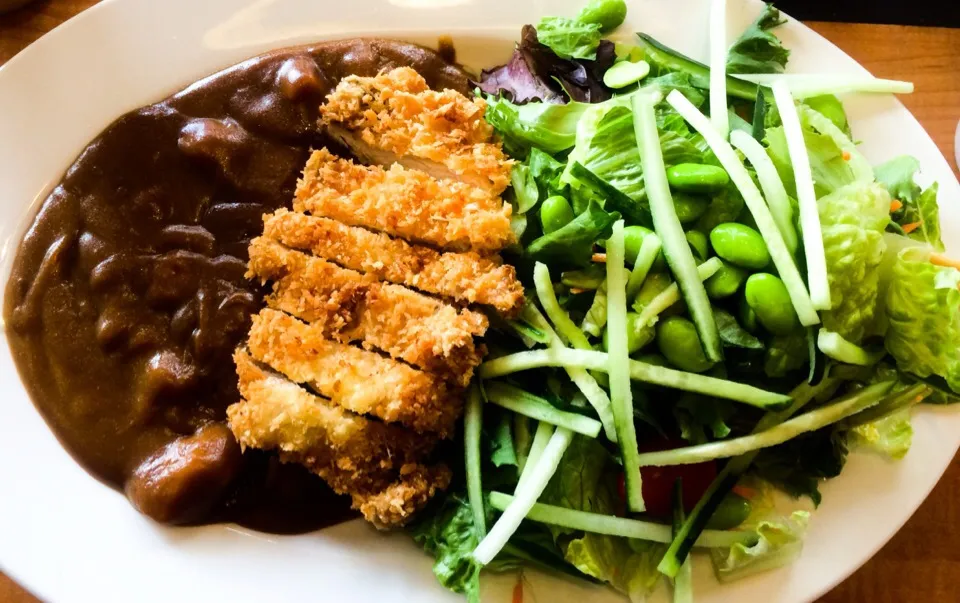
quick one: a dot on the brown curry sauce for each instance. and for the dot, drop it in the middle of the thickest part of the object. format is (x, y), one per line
(127, 295)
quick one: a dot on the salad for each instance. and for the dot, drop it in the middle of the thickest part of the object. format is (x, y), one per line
(724, 297)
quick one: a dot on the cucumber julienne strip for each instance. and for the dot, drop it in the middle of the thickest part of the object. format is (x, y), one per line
(535, 407)
(718, 67)
(835, 346)
(913, 395)
(782, 257)
(804, 85)
(770, 182)
(671, 295)
(639, 371)
(667, 225)
(647, 255)
(683, 583)
(540, 439)
(779, 434)
(588, 385)
(618, 526)
(807, 198)
(522, 439)
(621, 397)
(472, 426)
(527, 494)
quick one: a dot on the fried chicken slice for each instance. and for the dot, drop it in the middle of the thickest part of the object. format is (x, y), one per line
(378, 465)
(356, 379)
(466, 276)
(348, 306)
(404, 203)
(395, 118)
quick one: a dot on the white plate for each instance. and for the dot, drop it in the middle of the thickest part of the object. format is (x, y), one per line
(69, 538)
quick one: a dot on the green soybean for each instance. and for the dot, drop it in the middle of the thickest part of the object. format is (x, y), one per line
(608, 14)
(633, 237)
(732, 511)
(697, 178)
(698, 243)
(678, 341)
(767, 296)
(555, 213)
(740, 245)
(625, 73)
(748, 318)
(725, 282)
(690, 207)
(653, 286)
(638, 336)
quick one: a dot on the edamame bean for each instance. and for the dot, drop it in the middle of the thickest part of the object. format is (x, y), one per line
(698, 243)
(608, 14)
(725, 282)
(633, 237)
(637, 336)
(732, 511)
(697, 178)
(625, 73)
(555, 213)
(678, 341)
(653, 285)
(740, 245)
(748, 318)
(689, 207)
(767, 296)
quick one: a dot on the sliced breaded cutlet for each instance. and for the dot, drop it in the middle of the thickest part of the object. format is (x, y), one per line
(359, 380)
(348, 306)
(395, 118)
(466, 276)
(404, 203)
(380, 466)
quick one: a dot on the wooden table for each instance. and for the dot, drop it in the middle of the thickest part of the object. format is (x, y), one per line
(922, 562)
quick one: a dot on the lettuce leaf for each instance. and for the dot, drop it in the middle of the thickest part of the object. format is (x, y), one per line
(798, 466)
(585, 481)
(785, 354)
(546, 126)
(757, 50)
(919, 206)
(780, 541)
(572, 245)
(853, 219)
(450, 535)
(569, 38)
(923, 310)
(890, 436)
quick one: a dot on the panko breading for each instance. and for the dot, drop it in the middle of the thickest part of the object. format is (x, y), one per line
(465, 276)
(356, 379)
(395, 118)
(349, 306)
(404, 203)
(378, 465)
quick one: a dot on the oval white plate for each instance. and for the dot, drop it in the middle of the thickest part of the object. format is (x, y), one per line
(68, 538)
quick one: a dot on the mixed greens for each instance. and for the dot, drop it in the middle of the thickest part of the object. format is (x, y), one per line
(724, 298)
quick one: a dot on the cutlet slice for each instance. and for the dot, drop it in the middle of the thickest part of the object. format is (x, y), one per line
(464, 276)
(348, 306)
(405, 203)
(378, 465)
(395, 118)
(356, 379)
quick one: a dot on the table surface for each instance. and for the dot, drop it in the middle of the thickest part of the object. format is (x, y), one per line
(922, 562)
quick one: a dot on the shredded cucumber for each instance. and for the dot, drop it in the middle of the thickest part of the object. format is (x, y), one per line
(535, 407)
(804, 85)
(718, 67)
(540, 439)
(472, 428)
(835, 346)
(671, 295)
(649, 250)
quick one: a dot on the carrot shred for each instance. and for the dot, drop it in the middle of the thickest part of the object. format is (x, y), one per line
(908, 228)
(895, 205)
(942, 260)
(518, 590)
(745, 492)
(846, 155)
(577, 290)
(600, 258)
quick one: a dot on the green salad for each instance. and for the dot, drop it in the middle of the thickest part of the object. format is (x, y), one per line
(724, 297)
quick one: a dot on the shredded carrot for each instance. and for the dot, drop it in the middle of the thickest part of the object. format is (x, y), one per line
(577, 290)
(895, 205)
(600, 258)
(846, 156)
(518, 590)
(942, 260)
(908, 228)
(745, 492)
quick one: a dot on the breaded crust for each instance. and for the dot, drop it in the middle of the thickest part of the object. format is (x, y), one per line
(348, 306)
(356, 379)
(466, 276)
(397, 112)
(378, 465)
(404, 203)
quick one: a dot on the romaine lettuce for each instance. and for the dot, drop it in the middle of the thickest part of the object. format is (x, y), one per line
(569, 38)
(890, 436)
(780, 542)
(919, 210)
(923, 309)
(758, 50)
